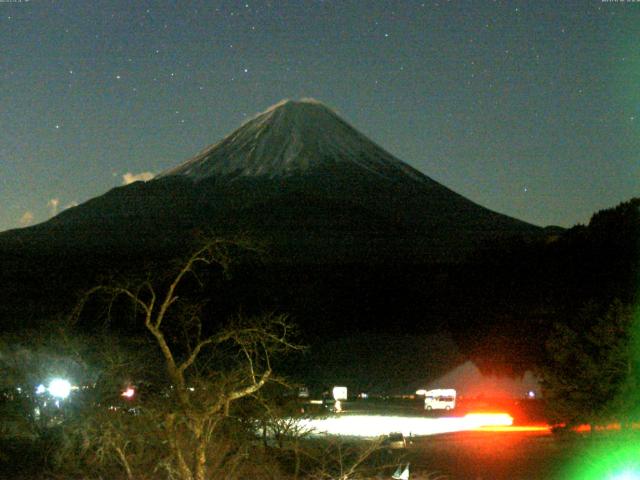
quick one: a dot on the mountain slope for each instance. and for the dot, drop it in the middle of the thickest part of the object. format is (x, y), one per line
(298, 178)
(292, 137)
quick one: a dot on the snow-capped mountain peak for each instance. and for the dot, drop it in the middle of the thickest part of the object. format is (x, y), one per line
(289, 138)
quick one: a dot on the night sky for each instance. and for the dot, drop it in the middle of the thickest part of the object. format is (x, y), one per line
(528, 108)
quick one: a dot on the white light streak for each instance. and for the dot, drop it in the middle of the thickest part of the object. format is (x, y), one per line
(377, 425)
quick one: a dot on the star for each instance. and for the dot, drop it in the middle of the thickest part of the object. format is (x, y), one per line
(493, 67)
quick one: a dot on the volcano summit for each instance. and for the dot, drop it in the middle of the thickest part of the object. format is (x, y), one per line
(292, 138)
(298, 178)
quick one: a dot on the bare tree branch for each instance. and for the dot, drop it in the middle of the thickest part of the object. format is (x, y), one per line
(242, 349)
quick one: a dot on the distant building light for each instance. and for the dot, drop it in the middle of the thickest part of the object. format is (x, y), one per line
(129, 392)
(303, 392)
(339, 393)
(59, 388)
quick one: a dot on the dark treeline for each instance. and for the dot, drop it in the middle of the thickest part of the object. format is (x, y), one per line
(498, 305)
(225, 354)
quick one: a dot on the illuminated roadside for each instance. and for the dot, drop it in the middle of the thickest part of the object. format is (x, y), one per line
(377, 425)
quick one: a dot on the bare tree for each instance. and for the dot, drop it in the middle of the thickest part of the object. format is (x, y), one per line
(206, 372)
(285, 432)
(340, 460)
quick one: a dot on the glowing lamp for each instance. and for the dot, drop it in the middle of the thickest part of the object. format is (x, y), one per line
(40, 389)
(339, 393)
(59, 388)
(129, 392)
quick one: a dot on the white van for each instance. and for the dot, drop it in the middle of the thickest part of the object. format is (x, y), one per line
(440, 399)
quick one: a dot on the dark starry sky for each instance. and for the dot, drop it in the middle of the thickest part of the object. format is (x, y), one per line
(528, 108)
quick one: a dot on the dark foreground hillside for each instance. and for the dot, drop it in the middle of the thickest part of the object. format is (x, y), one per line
(485, 304)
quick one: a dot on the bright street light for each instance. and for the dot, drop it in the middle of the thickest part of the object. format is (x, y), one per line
(59, 388)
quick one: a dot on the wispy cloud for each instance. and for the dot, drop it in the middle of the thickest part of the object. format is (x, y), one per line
(26, 219)
(129, 177)
(53, 205)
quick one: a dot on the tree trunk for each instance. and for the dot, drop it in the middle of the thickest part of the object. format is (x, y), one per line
(201, 460)
(197, 427)
(264, 435)
(296, 452)
(183, 468)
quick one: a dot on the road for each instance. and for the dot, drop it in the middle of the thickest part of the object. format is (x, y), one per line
(524, 455)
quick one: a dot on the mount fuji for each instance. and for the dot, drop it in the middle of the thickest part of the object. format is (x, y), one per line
(293, 138)
(298, 178)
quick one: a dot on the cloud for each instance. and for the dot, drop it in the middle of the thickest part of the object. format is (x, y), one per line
(129, 177)
(26, 219)
(53, 205)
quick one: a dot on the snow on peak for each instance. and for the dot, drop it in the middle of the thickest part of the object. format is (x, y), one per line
(288, 103)
(291, 137)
